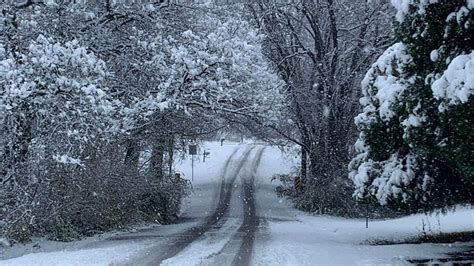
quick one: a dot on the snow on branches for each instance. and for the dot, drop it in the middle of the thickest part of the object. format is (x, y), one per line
(220, 69)
(86, 89)
(416, 123)
(56, 87)
(383, 85)
(403, 7)
(456, 85)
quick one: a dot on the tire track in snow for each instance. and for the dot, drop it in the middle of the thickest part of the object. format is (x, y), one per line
(238, 249)
(214, 221)
(251, 221)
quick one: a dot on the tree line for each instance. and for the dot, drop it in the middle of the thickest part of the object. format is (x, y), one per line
(98, 96)
(412, 107)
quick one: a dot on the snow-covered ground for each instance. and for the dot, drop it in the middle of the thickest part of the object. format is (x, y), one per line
(104, 249)
(292, 237)
(284, 235)
(328, 240)
(302, 239)
(208, 171)
(91, 256)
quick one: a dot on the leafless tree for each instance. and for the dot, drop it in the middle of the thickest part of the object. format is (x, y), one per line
(321, 49)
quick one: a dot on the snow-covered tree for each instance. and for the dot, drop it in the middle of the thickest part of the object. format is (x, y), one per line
(320, 49)
(96, 97)
(52, 89)
(52, 106)
(415, 148)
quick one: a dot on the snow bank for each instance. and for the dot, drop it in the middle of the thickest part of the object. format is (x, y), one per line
(291, 237)
(99, 256)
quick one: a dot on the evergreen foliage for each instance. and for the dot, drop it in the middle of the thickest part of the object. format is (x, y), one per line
(415, 149)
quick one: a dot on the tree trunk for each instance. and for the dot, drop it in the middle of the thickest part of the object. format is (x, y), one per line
(304, 164)
(132, 157)
(23, 142)
(157, 158)
(314, 169)
(170, 154)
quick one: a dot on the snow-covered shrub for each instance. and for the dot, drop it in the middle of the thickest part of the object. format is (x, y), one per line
(63, 231)
(19, 232)
(162, 202)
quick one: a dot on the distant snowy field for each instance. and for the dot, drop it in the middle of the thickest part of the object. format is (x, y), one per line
(287, 236)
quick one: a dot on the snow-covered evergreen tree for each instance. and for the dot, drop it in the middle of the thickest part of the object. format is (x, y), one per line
(415, 148)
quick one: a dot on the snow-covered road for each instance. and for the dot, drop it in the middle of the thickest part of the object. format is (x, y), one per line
(234, 217)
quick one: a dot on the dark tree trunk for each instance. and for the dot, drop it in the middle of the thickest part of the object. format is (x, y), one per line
(157, 158)
(132, 157)
(304, 164)
(314, 169)
(170, 154)
(23, 143)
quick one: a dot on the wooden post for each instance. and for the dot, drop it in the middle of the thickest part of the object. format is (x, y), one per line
(367, 215)
(297, 184)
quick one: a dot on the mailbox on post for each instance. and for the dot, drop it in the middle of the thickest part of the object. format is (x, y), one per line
(193, 149)
(192, 152)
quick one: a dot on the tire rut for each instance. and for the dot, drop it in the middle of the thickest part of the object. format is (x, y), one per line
(251, 220)
(238, 250)
(214, 221)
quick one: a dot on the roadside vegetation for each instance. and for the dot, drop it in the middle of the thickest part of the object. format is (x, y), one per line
(99, 98)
